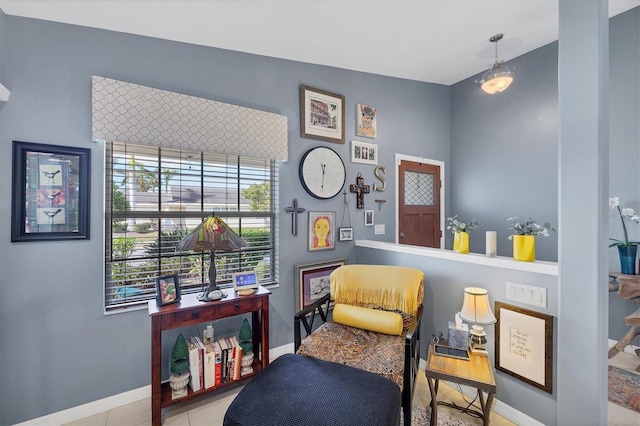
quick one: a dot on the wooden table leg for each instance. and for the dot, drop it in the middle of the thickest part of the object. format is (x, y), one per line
(487, 409)
(433, 389)
(156, 371)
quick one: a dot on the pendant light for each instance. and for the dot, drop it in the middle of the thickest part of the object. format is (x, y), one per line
(499, 77)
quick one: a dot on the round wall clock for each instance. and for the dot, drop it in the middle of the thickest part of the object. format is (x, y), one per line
(322, 172)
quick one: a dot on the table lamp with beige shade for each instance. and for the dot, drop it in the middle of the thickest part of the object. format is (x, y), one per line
(476, 310)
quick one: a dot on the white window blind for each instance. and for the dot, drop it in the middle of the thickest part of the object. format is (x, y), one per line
(157, 195)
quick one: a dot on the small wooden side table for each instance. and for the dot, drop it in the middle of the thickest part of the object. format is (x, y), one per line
(477, 373)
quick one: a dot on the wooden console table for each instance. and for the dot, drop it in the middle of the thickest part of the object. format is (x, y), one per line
(477, 372)
(628, 287)
(190, 311)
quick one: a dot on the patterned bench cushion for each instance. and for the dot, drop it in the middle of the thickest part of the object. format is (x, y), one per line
(377, 353)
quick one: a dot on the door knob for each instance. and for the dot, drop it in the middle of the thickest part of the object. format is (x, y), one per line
(402, 235)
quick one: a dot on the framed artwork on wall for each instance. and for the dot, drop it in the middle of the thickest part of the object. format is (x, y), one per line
(368, 218)
(321, 115)
(50, 192)
(312, 281)
(322, 230)
(524, 345)
(345, 234)
(365, 153)
(366, 122)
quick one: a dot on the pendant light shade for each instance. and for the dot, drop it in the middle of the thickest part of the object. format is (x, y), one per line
(499, 77)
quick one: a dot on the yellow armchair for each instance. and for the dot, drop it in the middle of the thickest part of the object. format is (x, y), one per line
(375, 324)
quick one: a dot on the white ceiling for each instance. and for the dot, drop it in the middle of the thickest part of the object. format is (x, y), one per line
(437, 41)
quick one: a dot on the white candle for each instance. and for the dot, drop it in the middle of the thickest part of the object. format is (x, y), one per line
(491, 244)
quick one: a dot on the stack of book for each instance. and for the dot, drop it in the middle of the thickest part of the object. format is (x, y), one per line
(214, 363)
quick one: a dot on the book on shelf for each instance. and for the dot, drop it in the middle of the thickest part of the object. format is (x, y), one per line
(209, 366)
(194, 366)
(224, 349)
(237, 360)
(198, 342)
(218, 363)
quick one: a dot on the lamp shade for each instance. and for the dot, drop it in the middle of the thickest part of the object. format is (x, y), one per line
(475, 307)
(497, 79)
(212, 234)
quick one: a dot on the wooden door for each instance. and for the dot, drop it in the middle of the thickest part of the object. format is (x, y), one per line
(419, 204)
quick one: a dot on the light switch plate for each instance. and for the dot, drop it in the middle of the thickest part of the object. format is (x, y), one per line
(379, 229)
(528, 294)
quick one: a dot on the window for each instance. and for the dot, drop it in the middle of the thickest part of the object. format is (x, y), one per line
(155, 196)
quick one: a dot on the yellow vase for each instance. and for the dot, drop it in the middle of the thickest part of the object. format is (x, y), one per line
(524, 248)
(461, 242)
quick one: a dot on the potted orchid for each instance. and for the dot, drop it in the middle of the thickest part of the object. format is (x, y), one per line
(461, 233)
(523, 236)
(627, 250)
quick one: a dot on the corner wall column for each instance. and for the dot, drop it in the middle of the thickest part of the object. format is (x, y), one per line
(583, 81)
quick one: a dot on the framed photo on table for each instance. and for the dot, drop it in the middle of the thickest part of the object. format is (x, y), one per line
(50, 192)
(312, 281)
(167, 290)
(321, 115)
(524, 345)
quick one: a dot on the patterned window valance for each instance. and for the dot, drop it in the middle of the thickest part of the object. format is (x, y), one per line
(133, 113)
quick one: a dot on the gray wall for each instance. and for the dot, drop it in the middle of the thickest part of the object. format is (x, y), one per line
(445, 281)
(54, 289)
(511, 142)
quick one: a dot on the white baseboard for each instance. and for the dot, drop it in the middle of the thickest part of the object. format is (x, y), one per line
(115, 401)
(91, 408)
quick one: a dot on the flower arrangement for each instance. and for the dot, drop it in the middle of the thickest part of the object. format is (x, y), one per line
(614, 202)
(456, 226)
(530, 227)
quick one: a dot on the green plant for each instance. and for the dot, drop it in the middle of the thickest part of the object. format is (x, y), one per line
(530, 227)
(456, 226)
(142, 227)
(119, 226)
(166, 243)
(614, 202)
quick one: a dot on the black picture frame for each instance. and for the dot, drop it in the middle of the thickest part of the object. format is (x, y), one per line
(50, 192)
(162, 283)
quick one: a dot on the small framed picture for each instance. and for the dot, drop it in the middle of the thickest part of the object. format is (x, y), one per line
(365, 153)
(321, 115)
(368, 218)
(312, 281)
(321, 230)
(345, 234)
(167, 290)
(366, 121)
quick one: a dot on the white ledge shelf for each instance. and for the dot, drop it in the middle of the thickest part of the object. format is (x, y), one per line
(539, 266)
(4, 93)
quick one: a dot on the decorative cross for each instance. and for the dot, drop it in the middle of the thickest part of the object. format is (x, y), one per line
(360, 189)
(294, 210)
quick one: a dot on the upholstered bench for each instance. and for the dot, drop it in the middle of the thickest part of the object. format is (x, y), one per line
(297, 390)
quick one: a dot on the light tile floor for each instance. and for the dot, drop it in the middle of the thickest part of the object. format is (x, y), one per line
(209, 410)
